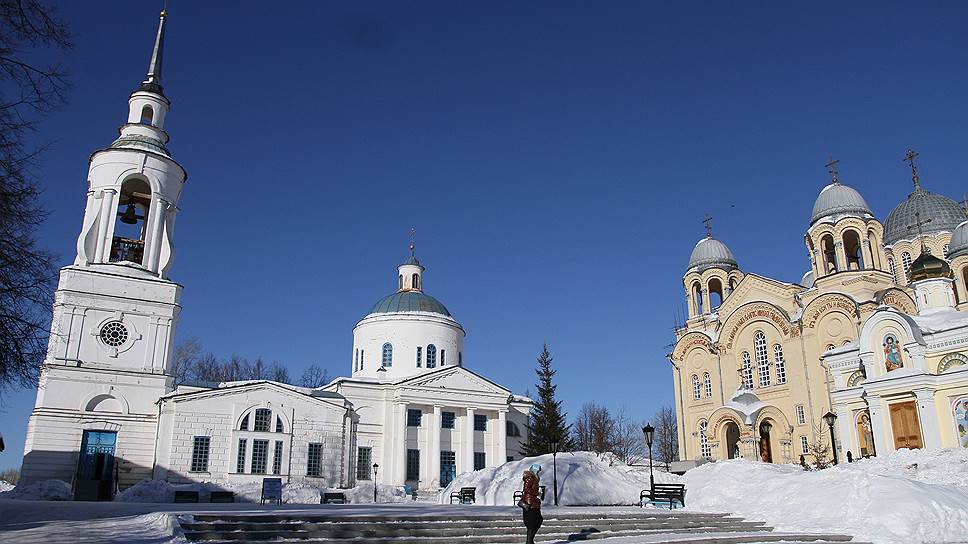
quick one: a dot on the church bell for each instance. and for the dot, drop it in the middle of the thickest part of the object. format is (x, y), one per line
(129, 217)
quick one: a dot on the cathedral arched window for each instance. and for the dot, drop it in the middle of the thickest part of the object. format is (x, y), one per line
(874, 247)
(414, 281)
(762, 361)
(852, 250)
(780, 364)
(950, 361)
(400, 282)
(387, 354)
(707, 383)
(704, 449)
(893, 269)
(906, 262)
(244, 425)
(747, 371)
(147, 115)
(431, 356)
(262, 418)
(697, 297)
(829, 254)
(130, 230)
(696, 388)
(715, 290)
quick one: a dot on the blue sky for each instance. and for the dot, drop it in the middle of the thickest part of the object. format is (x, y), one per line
(555, 158)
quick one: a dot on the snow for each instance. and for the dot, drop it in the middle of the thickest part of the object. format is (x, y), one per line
(942, 319)
(157, 491)
(584, 478)
(5, 486)
(46, 490)
(903, 497)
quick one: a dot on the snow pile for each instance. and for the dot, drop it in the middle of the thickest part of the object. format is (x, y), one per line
(584, 479)
(160, 491)
(880, 499)
(46, 490)
(5, 486)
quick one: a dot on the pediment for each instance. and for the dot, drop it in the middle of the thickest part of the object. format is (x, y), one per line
(755, 288)
(455, 379)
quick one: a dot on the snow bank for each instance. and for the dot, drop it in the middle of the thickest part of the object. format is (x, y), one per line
(159, 491)
(884, 500)
(46, 490)
(584, 479)
(5, 486)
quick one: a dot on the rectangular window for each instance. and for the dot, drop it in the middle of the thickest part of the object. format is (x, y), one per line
(260, 454)
(364, 456)
(804, 446)
(442, 353)
(447, 420)
(314, 461)
(801, 416)
(200, 454)
(413, 465)
(479, 460)
(419, 348)
(240, 457)
(414, 417)
(356, 360)
(277, 458)
(480, 422)
(262, 418)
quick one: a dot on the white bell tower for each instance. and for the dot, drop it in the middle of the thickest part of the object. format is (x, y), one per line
(115, 311)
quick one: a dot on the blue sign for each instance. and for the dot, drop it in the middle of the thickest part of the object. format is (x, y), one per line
(272, 490)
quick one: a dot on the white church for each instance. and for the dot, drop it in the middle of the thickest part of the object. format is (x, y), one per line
(108, 413)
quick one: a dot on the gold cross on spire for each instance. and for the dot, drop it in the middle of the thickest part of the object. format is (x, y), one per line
(708, 222)
(832, 168)
(413, 234)
(917, 224)
(909, 158)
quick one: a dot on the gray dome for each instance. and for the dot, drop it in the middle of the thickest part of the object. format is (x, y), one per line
(839, 199)
(945, 215)
(408, 301)
(808, 279)
(959, 241)
(711, 253)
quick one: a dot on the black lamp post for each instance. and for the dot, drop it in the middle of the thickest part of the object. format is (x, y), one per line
(554, 466)
(376, 467)
(649, 432)
(830, 418)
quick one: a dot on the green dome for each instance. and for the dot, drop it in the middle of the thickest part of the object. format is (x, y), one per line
(408, 301)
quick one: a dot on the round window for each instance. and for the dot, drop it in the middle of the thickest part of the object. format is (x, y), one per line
(114, 333)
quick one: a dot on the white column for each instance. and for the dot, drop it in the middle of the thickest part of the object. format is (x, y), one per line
(105, 217)
(928, 415)
(433, 452)
(398, 454)
(157, 213)
(880, 424)
(502, 438)
(847, 434)
(469, 442)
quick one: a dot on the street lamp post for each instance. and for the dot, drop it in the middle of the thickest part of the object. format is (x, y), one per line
(376, 467)
(554, 466)
(830, 418)
(649, 432)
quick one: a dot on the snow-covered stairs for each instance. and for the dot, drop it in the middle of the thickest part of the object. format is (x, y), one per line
(647, 527)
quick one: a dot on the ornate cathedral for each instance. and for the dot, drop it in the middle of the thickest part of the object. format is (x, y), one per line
(108, 412)
(873, 340)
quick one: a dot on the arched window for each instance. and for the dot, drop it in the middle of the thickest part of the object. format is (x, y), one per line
(855, 257)
(704, 450)
(707, 384)
(875, 250)
(951, 361)
(130, 229)
(855, 379)
(906, 262)
(715, 293)
(262, 418)
(147, 115)
(780, 364)
(697, 297)
(762, 361)
(244, 425)
(401, 282)
(414, 281)
(280, 428)
(512, 429)
(747, 371)
(696, 388)
(431, 356)
(829, 254)
(387, 354)
(892, 269)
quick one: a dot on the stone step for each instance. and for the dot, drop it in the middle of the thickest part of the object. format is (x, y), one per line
(664, 538)
(645, 515)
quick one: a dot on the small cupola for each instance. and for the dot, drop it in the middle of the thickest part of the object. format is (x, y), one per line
(932, 282)
(927, 267)
(410, 273)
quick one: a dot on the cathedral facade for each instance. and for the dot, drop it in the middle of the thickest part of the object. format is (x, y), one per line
(109, 414)
(874, 336)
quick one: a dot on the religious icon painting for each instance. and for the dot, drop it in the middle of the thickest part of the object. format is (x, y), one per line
(961, 420)
(892, 353)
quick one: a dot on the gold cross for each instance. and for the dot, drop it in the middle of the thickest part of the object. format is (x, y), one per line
(832, 168)
(708, 221)
(413, 234)
(909, 158)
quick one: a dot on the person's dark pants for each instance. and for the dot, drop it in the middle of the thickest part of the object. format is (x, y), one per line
(532, 520)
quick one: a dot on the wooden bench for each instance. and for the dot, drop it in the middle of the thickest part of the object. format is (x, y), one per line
(221, 496)
(466, 495)
(186, 496)
(333, 498)
(662, 493)
(518, 495)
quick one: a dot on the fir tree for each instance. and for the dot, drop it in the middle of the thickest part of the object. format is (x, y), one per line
(547, 421)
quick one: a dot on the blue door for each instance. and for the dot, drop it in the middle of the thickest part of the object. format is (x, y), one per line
(448, 468)
(95, 466)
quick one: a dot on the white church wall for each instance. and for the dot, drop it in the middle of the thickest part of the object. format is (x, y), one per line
(405, 332)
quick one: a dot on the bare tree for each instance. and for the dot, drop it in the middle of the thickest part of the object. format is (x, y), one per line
(314, 376)
(627, 440)
(666, 442)
(28, 91)
(193, 363)
(594, 428)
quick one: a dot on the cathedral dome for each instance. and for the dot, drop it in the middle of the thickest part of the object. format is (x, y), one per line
(959, 241)
(927, 266)
(839, 199)
(711, 253)
(944, 215)
(408, 301)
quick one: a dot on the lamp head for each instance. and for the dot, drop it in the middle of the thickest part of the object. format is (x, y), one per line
(554, 445)
(649, 432)
(830, 418)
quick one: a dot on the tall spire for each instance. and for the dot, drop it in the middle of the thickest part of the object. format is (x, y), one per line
(152, 82)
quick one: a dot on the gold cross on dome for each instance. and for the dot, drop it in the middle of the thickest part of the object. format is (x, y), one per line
(708, 222)
(832, 168)
(909, 158)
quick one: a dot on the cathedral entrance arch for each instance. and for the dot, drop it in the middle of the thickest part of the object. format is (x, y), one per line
(766, 451)
(732, 440)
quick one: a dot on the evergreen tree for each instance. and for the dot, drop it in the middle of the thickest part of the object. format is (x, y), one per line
(547, 421)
